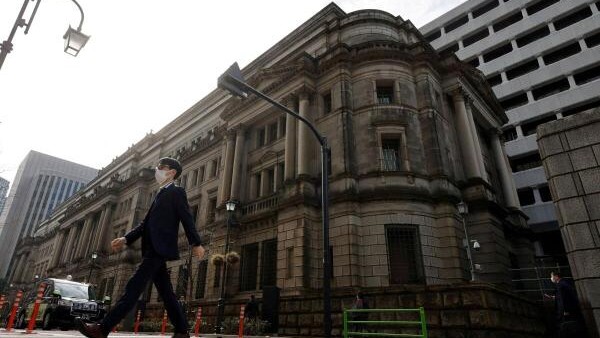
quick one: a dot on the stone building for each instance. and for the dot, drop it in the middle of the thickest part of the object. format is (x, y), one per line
(570, 150)
(411, 135)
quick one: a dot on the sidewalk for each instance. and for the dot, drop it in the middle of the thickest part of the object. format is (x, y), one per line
(65, 334)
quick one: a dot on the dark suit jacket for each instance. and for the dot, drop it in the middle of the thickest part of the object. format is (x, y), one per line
(161, 224)
(566, 299)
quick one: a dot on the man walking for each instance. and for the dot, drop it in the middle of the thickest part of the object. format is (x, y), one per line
(568, 314)
(159, 233)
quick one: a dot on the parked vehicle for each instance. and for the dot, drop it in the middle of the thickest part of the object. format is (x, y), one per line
(63, 301)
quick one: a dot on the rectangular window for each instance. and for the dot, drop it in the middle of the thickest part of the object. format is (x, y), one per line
(562, 53)
(433, 36)
(522, 69)
(182, 281)
(545, 193)
(211, 210)
(494, 80)
(215, 168)
(249, 267)
(485, 8)
(282, 122)
(281, 174)
(573, 18)
(578, 109)
(260, 137)
(385, 93)
(588, 75)
(201, 174)
(509, 134)
(474, 62)
(471, 39)
(271, 182)
(530, 128)
(540, 5)
(453, 48)
(514, 102)
(258, 178)
(327, 103)
(533, 36)
(390, 152)
(457, 23)
(404, 254)
(498, 26)
(273, 132)
(268, 267)
(550, 89)
(525, 162)
(201, 279)
(592, 40)
(497, 52)
(218, 273)
(194, 178)
(526, 196)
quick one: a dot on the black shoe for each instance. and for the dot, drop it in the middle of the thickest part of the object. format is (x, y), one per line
(90, 330)
(180, 335)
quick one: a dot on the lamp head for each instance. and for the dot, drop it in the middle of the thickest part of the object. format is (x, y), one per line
(233, 81)
(94, 255)
(476, 245)
(74, 41)
(462, 207)
(230, 205)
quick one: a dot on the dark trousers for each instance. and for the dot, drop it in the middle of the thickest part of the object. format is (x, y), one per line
(152, 269)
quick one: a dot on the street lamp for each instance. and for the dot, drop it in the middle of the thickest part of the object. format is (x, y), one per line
(230, 207)
(233, 81)
(463, 210)
(74, 39)
(94, 256)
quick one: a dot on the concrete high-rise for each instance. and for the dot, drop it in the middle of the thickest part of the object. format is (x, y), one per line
(4, 184)
(42, 183)
(542, 59)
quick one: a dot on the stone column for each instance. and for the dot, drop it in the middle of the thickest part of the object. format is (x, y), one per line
(103, 236)
(290, 145)
(68, 246)
(264, 182)
(476, 142)
(56, 249)
(83, 241)
(236, 176)
(465, 139)
(226, 179)
(304, 135)
(508, 184)
(252, 194)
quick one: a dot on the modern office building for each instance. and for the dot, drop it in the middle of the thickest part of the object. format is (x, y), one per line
(542, 59)
(4, 184)
(42, 183)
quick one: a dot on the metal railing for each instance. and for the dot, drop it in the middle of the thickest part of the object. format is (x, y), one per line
(420, 324)
(534, 282)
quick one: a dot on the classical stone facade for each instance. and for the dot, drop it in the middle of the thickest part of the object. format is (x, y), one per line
(570, 150)
(411, 135)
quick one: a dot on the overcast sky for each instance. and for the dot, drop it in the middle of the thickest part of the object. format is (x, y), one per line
(146, 62)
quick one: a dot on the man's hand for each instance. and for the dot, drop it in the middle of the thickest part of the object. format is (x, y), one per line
(198, 251)
(118, 243)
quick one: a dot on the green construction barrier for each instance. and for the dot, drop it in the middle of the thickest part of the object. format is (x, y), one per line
(420, 323)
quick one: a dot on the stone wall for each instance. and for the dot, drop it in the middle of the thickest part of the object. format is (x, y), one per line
(460, 310)
(570, 151)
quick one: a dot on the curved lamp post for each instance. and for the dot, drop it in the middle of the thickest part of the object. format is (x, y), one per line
(94, 257)
(230, 206)
(74, 39)
(463, 210)
(233, 81)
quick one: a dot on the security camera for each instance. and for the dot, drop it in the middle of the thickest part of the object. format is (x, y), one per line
(477, 267)
(476, 245)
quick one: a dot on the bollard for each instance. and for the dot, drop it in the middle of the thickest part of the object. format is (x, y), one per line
(137, 322)
(13, 312)
(241, 329)
(164, 324)
(36, 308)
(198, 321)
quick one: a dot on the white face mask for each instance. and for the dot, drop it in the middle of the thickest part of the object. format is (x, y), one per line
(160, 176)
